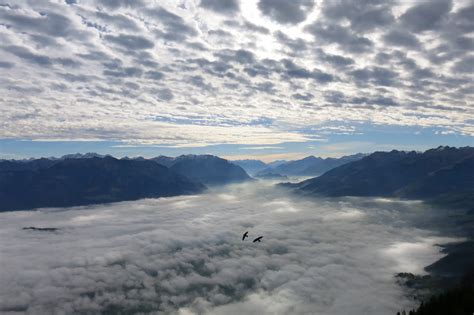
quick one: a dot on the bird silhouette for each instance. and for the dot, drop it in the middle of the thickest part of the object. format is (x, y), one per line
(246, 234)
(258, 239)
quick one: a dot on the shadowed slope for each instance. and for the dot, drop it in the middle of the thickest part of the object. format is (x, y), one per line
(397, 173)
(73, 182)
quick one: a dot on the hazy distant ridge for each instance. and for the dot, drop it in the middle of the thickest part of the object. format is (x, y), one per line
(251, 166)
(208, 169)
(309, 166)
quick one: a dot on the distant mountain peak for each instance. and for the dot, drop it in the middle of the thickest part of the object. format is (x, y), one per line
(311, 157)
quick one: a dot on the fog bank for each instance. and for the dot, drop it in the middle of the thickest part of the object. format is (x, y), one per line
(184, 255)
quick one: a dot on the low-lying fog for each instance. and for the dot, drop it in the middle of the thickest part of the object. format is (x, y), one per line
(185, 255)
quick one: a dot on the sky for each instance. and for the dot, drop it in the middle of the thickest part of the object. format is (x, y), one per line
(184, 255)
(270, 79)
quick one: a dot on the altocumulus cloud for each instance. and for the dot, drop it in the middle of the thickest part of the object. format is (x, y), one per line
(184, 255)
(230, 61)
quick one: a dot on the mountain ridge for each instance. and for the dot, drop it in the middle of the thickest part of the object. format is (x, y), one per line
(398, 174)
(310, 165)
(76, 182)
(206, 168)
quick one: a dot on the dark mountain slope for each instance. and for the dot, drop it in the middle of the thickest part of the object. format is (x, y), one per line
(36, 164)
(396, 173)
(452, 179)
(23, 165)
(73, 182)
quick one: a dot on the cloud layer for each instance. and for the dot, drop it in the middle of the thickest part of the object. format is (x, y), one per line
(248, 72)
(184, 255)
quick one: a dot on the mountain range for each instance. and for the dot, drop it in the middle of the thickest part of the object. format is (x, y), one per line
(431, 174)
(309, 166)
(74, 182)
(445, 174)
(81, 179)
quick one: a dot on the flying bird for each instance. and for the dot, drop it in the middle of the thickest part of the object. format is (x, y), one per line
(258, 239)
(246, 234)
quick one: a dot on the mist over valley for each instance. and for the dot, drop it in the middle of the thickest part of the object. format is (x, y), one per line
(182, 255)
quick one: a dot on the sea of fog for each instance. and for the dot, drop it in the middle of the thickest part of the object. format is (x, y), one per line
(184, 255)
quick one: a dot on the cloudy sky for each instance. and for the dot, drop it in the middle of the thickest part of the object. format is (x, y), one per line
(268, 78)
(184, 255)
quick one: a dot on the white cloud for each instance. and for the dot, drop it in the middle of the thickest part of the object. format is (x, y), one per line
(184, 255)
(260, 148)
(82, 72)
